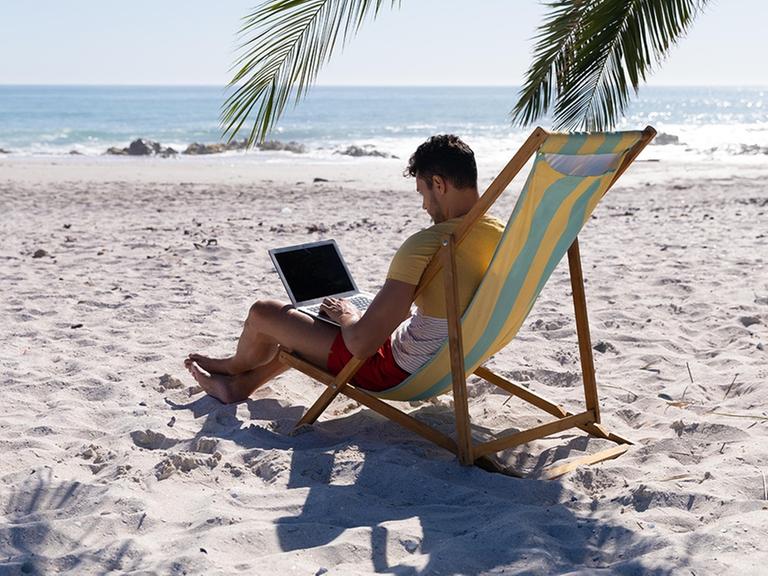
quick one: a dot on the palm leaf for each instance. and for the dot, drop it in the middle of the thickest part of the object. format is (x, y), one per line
(590, 54)
(285, 43)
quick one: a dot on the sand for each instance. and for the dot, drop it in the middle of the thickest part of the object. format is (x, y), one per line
(113, 463)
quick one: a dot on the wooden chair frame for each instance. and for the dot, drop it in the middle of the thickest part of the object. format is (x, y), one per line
(463, 446)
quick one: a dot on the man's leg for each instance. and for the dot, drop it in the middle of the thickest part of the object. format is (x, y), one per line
(270, 325)
(229, 389)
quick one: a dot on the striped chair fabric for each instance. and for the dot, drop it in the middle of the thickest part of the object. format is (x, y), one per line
(570, 174)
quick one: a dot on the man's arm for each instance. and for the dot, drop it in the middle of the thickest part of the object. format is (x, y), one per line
(364, 334)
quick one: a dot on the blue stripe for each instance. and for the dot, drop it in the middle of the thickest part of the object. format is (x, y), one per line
(574, 144)
(612, 139)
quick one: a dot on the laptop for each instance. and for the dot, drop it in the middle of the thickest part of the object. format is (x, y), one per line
(314, 271)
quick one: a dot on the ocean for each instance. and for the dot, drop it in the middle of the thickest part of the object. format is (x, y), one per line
(709, 122)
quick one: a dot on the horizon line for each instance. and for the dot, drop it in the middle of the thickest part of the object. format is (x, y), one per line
(225, 87)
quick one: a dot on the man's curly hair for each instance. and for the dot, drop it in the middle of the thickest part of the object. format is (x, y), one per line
(444, 155)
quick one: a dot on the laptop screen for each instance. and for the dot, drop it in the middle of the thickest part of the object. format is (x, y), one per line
(314, 272)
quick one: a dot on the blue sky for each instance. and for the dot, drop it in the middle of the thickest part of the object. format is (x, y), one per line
(425, 42)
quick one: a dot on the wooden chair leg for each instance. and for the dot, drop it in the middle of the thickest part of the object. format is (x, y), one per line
(591, 428)
(400, 417)
(460, 405)
(582, 329)
(335, 383)
(557, 471)
(311, 415)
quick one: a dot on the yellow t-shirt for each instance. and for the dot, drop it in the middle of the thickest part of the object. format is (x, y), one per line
(472, 258)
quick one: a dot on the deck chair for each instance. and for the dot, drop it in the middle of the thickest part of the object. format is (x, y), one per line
(569, 176)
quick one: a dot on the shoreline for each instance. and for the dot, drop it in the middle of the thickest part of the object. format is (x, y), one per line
(286, 169)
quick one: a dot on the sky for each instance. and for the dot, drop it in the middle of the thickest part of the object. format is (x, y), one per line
(424, 42)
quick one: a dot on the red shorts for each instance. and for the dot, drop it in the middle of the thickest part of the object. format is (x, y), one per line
(377, 373)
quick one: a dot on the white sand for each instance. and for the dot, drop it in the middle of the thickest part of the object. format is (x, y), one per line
(108, 463)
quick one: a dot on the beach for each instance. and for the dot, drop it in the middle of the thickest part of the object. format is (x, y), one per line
(115, 462)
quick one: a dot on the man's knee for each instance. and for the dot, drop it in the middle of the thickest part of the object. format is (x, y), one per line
(266, 310)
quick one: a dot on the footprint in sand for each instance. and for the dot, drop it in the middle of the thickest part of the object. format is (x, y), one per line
(748, 321)
(268, 466)
(97, 456)
(236, 471)
(631, 417)
(205, 445)
(561, 379)
(411, 545)
(152, 440)
(184, 463)
(602, 346)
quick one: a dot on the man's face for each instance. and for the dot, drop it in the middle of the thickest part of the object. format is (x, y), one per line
(429, 200)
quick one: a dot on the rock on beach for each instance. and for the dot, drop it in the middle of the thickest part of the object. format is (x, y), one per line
(142, 147)
(365, 150)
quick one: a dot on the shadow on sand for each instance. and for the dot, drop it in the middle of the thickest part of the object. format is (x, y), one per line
(420, 511)
(46, 523)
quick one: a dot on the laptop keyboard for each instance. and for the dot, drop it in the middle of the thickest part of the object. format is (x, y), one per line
(361, 303)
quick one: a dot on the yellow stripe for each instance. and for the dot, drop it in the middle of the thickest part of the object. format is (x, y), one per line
(592, 144)
(554, 143)
(628, 140)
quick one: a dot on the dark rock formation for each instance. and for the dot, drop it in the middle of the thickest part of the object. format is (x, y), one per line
(751, 149)
(141, 147)
(291, 146)
(367, 150)
(197, 149)
(663, 139)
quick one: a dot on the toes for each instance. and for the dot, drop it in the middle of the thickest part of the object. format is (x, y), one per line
(197, 375)
(198, 371)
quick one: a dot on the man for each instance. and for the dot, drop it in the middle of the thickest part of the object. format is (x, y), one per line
(395, 342)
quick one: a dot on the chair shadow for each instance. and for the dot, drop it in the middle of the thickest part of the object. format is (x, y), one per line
(222, 421)
(483, 522)
(489, 522)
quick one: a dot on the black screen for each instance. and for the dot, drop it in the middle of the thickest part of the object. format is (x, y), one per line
(314, 272)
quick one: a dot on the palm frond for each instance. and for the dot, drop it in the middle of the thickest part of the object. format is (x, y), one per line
(592, 54)
(285, 43)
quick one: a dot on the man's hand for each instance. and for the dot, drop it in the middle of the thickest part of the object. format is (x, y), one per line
(340, 310)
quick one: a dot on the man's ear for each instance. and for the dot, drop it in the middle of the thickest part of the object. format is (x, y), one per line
(438, 184)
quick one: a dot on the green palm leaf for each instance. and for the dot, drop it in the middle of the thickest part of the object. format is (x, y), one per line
(285, 44)
(591, 53)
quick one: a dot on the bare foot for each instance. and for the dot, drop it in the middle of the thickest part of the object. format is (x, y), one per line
(212, 365)
(216, 385)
